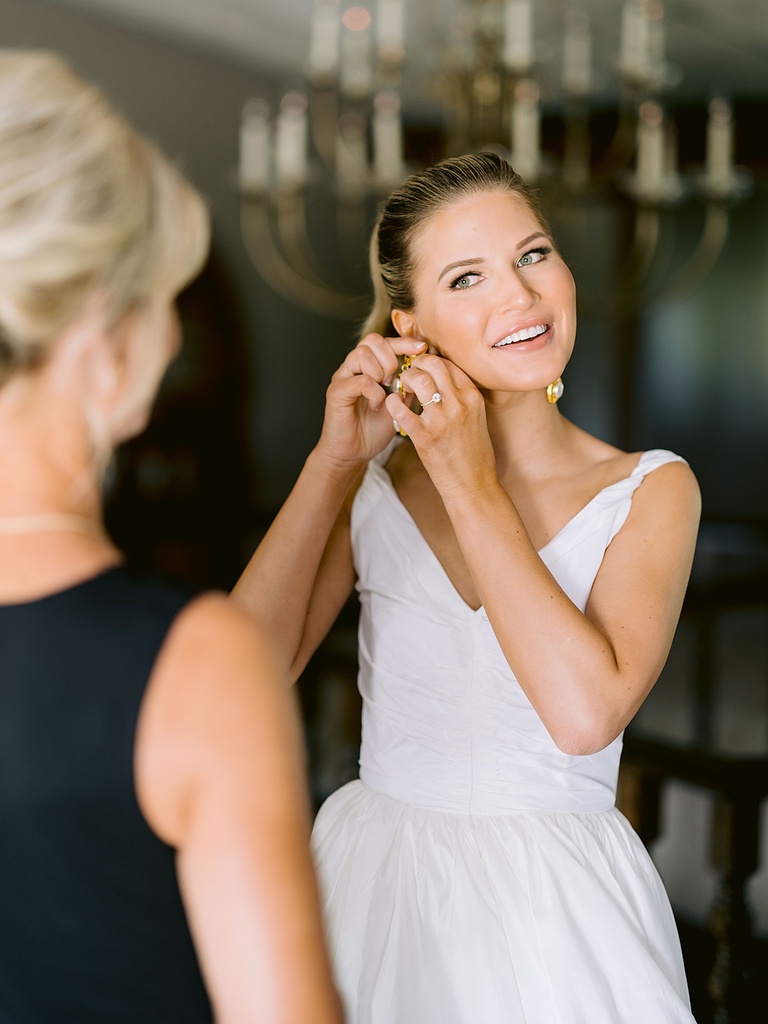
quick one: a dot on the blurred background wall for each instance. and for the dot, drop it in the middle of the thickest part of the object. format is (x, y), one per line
(670, 358)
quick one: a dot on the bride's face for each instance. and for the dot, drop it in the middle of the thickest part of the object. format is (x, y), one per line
(492, 294)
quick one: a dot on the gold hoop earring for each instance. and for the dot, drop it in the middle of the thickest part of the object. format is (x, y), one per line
(555, 391)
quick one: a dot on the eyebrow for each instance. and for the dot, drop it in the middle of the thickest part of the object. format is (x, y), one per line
(460, 263)
(473, 261)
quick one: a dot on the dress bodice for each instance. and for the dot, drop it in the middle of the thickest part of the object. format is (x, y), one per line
(445, 723)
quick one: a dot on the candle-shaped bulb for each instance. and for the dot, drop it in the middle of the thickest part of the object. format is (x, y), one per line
(577, 54)
(388, 164)
(291, 141)
(526, 130)
(356, 66)
(633, 60)
(351, 156)
(517, 48)
(654, 15)
(650, 150)
(324, 42)
(719, 154)
(390, 30)
(255, 147)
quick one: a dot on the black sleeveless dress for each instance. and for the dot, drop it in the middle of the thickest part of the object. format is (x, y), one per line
(92, 927)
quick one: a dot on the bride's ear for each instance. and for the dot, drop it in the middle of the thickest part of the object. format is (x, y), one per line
(406, 325)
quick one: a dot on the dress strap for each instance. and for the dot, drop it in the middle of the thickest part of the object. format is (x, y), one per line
(384, 455)
(648, 462)
(651, 460)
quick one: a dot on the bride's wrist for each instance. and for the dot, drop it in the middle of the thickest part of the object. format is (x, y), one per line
(334, 470)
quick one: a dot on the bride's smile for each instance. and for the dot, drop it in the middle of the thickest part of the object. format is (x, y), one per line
(492, 294)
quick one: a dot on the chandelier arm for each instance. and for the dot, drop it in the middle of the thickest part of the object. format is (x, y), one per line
(641, 252)
(323, 125)
(341, 130)
(703, 259)
(618, 153)
(272, 267)
(577, 150)
(352, 225)
(293, 237)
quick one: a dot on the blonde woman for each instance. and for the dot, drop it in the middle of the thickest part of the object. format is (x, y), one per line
(154, 862)
(520, 582)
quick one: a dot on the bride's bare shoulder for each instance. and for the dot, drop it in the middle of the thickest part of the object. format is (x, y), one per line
(404, 465)
(598, 458)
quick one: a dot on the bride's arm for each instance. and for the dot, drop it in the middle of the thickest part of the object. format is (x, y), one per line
(302, 573)
(586, 674)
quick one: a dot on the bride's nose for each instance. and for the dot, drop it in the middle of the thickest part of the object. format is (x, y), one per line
(516, 292)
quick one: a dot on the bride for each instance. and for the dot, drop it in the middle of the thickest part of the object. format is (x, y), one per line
(520, 583)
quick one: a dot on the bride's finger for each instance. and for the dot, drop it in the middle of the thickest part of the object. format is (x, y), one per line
(402, 415)
(428, 376)
(438, 384)
(426, 385)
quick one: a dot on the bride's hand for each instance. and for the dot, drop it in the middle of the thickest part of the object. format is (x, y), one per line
(450, 433)
(357, 425)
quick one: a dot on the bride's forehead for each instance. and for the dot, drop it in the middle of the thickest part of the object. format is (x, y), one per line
(475, 214)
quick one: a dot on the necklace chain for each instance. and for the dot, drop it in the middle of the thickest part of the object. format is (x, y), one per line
(50, 522)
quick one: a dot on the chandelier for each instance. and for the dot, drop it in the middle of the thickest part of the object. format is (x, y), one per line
(312, 173)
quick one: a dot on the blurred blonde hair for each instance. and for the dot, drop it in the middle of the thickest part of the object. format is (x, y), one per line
(86, 204)
(407, 209)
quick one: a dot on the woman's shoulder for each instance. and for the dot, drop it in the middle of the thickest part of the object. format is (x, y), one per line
(214, 690)
(587, 466)
(606, 464)
(211, 627)
(656, 481)
(660, 483)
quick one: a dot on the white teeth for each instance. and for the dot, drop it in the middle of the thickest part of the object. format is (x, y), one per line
(524, 335)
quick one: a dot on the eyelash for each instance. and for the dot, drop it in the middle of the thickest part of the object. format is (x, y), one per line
(543, 250)
(454, 285)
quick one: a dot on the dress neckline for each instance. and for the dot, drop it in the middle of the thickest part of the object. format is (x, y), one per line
(379, 464)
(64, 591)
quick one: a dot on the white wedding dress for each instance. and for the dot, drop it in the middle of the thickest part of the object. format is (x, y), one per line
(475, 874)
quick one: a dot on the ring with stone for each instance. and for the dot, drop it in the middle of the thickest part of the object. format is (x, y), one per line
(436, 398)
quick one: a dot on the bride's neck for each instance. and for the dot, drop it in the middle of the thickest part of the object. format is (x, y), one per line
(527, 433)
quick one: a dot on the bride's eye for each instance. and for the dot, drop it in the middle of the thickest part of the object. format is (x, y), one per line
(463, 281)
(534, 256)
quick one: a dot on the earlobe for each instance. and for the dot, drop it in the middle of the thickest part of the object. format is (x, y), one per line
(106, 362)
(108, 375)
(406, 325)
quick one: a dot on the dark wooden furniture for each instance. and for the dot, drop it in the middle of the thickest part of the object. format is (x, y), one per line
(726, 577)
(731, 573)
